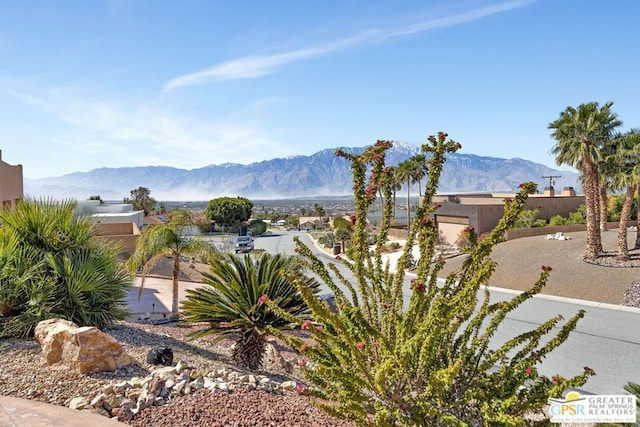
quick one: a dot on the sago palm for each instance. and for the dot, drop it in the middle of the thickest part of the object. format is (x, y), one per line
(168, 240)
(232, 301)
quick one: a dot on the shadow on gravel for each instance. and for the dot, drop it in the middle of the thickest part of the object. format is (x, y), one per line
(144, 336)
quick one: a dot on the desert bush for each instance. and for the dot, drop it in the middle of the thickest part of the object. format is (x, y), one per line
(232, 301)
(526, 218)
(429, 360)
(327, 240)
(51, 265)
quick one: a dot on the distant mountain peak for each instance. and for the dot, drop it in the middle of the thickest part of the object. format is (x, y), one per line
(322, 173)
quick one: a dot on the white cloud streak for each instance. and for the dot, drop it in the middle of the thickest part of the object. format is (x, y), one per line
(257, 66)
(108, 130)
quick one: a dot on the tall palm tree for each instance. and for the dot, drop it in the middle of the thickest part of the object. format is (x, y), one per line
(405, 173)
(233, 301)
(607, 167)
(396, 185)
(624, 164)
(580, 133)
(170, 239)
(420, 170)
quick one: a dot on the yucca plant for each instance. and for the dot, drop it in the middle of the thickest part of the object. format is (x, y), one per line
(232, 301)
(52, 266)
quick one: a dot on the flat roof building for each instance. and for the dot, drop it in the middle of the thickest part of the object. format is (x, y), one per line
(11, 184)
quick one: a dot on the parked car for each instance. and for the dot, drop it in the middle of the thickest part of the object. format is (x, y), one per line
(244, 244)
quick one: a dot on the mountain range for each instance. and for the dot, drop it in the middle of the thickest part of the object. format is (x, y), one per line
(320, 174)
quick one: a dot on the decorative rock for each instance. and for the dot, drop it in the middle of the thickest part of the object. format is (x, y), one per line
(179, 386)
(85, 349)
(79, 403)
(273, 357)
(197, 384)
(124, 399)
(125, 414)
(160, 356)
(289, 385)
(164, 372)
(209, 383)
(181, 367)
(157, 385)
(98, 400)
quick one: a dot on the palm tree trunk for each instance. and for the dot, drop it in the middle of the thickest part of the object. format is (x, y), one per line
(408, 203)
(637, 245)
(175, 274)
(623, 248)
(591, 192)
(394, 204)
(604, 214)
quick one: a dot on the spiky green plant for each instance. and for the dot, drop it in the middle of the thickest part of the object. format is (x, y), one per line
(233, 301)
(429, 361)
(51, 266)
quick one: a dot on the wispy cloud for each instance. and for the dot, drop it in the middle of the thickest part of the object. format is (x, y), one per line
(256, 66)
(104, 130)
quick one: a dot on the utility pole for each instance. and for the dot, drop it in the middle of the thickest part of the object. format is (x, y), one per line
(551, 177)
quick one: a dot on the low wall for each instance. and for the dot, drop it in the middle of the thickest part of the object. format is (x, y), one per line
(124, 233)
(518, 233)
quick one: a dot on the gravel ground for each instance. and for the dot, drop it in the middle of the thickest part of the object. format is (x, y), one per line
(24, 374)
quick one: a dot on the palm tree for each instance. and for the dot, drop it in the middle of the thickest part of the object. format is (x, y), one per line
(624, 167)
(51, 265)
(163, 240)
(233, 301)
(580, 133)
(607, 167)
(405, 173)
(420, 170)
(396, 184)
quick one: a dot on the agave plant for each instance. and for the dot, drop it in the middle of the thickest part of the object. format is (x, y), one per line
(232, 301)
(51, 266)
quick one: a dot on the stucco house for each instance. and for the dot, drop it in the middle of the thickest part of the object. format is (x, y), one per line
(11, 184)
(483, 211)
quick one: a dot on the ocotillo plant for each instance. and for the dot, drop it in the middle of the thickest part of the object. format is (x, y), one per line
(381, 360)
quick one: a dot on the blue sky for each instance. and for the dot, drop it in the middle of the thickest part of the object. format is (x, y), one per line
(88, 84)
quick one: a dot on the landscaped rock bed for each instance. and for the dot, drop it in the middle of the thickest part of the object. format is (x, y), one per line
(203, 388)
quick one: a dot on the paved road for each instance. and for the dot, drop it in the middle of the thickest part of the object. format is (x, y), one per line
(607, 339)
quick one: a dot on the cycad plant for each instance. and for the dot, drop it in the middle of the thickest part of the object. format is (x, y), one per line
(427, 358)
(52, 266)
(232, 301)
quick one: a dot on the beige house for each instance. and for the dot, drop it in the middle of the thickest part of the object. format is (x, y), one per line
(11, 185)
(483, 211)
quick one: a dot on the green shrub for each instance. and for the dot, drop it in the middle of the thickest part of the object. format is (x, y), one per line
(526, 218)
(381, 360)
(341, 223)
(557, 220)
(258, 227)
(51, 265)
(539, 223)
(232, 301)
